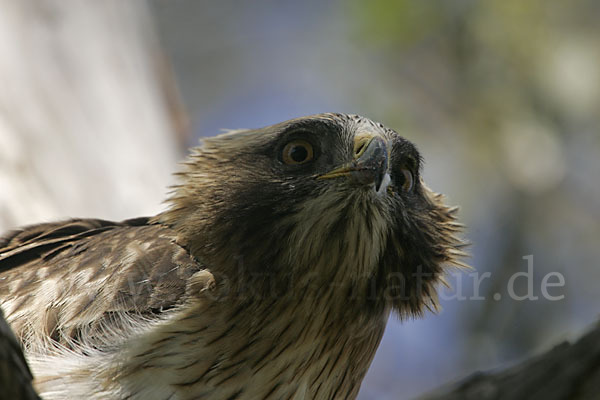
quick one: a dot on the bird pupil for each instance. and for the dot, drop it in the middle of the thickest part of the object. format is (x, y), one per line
(401, 179)
(298, 153)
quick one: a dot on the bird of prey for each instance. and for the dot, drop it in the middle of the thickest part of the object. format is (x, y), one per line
(271, 274)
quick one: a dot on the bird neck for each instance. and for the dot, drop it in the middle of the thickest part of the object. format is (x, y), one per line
(313, 345)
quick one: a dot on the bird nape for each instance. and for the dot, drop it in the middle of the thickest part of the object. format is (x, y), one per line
(271, 275)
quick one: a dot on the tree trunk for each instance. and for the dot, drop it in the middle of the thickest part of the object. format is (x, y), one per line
(566, 372)
(89, 118)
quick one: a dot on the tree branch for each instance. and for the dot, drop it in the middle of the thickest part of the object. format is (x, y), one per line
(567, 371)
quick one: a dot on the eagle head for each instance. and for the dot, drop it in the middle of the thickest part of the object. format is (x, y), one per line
(325, 202)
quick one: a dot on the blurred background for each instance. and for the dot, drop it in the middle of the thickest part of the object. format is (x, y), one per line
(502, 97)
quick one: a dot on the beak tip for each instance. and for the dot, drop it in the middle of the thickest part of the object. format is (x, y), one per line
(371, 166)
(378, 181)
(382, 182)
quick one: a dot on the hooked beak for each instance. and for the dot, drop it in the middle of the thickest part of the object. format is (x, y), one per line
(370, 163)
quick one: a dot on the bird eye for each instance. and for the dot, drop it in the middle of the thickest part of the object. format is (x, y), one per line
(406, 181)
(297, 152)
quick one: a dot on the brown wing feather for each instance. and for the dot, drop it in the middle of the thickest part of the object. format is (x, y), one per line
(24, 244)
(86, 278)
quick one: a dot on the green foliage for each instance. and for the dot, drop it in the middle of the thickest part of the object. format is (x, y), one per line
(397, 22)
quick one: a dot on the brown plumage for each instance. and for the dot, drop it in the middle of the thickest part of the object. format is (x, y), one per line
(271, 275)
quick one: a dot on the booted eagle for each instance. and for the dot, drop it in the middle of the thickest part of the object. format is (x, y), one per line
(271, 275)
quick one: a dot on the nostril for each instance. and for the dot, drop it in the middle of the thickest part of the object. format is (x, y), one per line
(360, 145)
(359, 149)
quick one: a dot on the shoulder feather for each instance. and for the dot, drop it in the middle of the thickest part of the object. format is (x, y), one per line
(88, 279)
